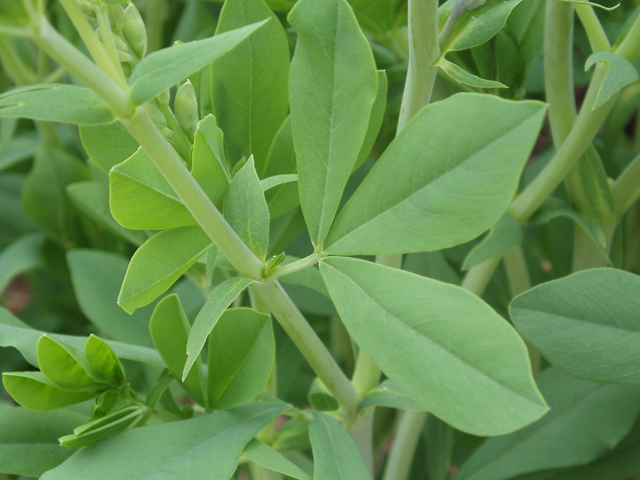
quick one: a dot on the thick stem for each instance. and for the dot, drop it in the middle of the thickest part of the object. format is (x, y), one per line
(477, 279)
(404, 445)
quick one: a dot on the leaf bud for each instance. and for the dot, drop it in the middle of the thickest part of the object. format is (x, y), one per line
(164, 97)
(134, 31)
(116, 17)
(186, 108)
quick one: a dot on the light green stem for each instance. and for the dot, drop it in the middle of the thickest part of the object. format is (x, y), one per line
(108, 41)
(296, 266)
(630, 46)
(626, 189)
(477, 279)
(596, 34)
(154, 22)
(404, 445)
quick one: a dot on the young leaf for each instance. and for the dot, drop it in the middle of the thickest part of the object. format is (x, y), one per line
(245, 208)
(29, 441)
(399, 319)
(433, 191)
(502, 237)
(333, 86)
(269, 458)
(334, 452)
(249, 85)
(219, 299)
(585, 324)
(206, 447)
(241, 356)
(63, 368)
(107, 145)
(159, 263)
(166, 67)
(141, 198)
(56, 103)
(460, 75)
(208, 160)
(32, 390)
(387, 394)
(586, 419)
(621, 72)
(104, 365)
(21, 256)
(170, 329)
(104, 427)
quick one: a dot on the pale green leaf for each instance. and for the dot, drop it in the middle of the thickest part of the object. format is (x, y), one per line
(21, 256)
(333, 86)
(444, 180)
(207, 447)
(587, 324)
(166, 67)
(502, 237)
(407, 324)
(586, 420)
(269, 458)
(159, 263)
(104, 365)
(107, 145)
(208, 160)
(460, 75)
(387, 394)
(621, 72)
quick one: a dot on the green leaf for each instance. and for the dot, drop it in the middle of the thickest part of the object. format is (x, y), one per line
(334, 452)
(29, 441)
(104, 365)
(586, 420)
(141, 198)
(460, 75)
(398, 318)
(320, 398)
(97, 277)
(333, 86)
(166, 67)
(21, 256)
(56, 103)
(205, 447)
(245, 208)
(272, 182)
(44, 197)
(170, 329)
(375, 120)
(477, 26)
(502, 237)
(375, 15)
(105, 427)
(63, 367)
(107, 145)
(437, 189)
(32, 390)
(526, 24)
(586, 324)
(159, 263)
(92, 199)
(219, 299)
(241, 356)
(387, 394)
(269, 458)
(249, 85)
(621, 72)
(208, 160)
(15, 333)
(593, 4)
(17, 150)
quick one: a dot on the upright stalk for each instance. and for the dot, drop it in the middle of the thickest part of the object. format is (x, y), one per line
(404, 445)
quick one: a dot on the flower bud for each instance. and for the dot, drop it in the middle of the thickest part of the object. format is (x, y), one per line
(186, 108)
(134, 31)
(155, 114)
(116, 17)
(122, 49)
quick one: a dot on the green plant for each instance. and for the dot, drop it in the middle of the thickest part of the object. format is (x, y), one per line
(251, 172)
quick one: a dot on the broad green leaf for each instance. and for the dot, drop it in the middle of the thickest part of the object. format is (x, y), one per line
(166, 67)
(334, 452)
(56, 103)
(593, 4)
(15, 333)
(245, 208)
(206, 447)
(141, 198)
(430, 191)
(375, 120)
(387, 394)
(333, 86)
(502, 237)
(587, 324)
(92, 199)
(97, 277)
(16, 150)
(104, 365)
(32, 390)
(29, 441)
(159, 263)
(44, 197)
(170, 329)
(249, 85)
(407, 324)
(208, 160)
(241, 356)
(375, 15)
(586, 420)
(21, 256)
(460, 75)
(621, 72)
(219, 299)
(60, 364)
(478, 25)
(526, 24)
(269, 458)
(107, 145)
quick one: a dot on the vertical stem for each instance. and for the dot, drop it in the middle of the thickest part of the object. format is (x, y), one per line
(596, 34)
(154, 21)
(477, 279)
(404, 445)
